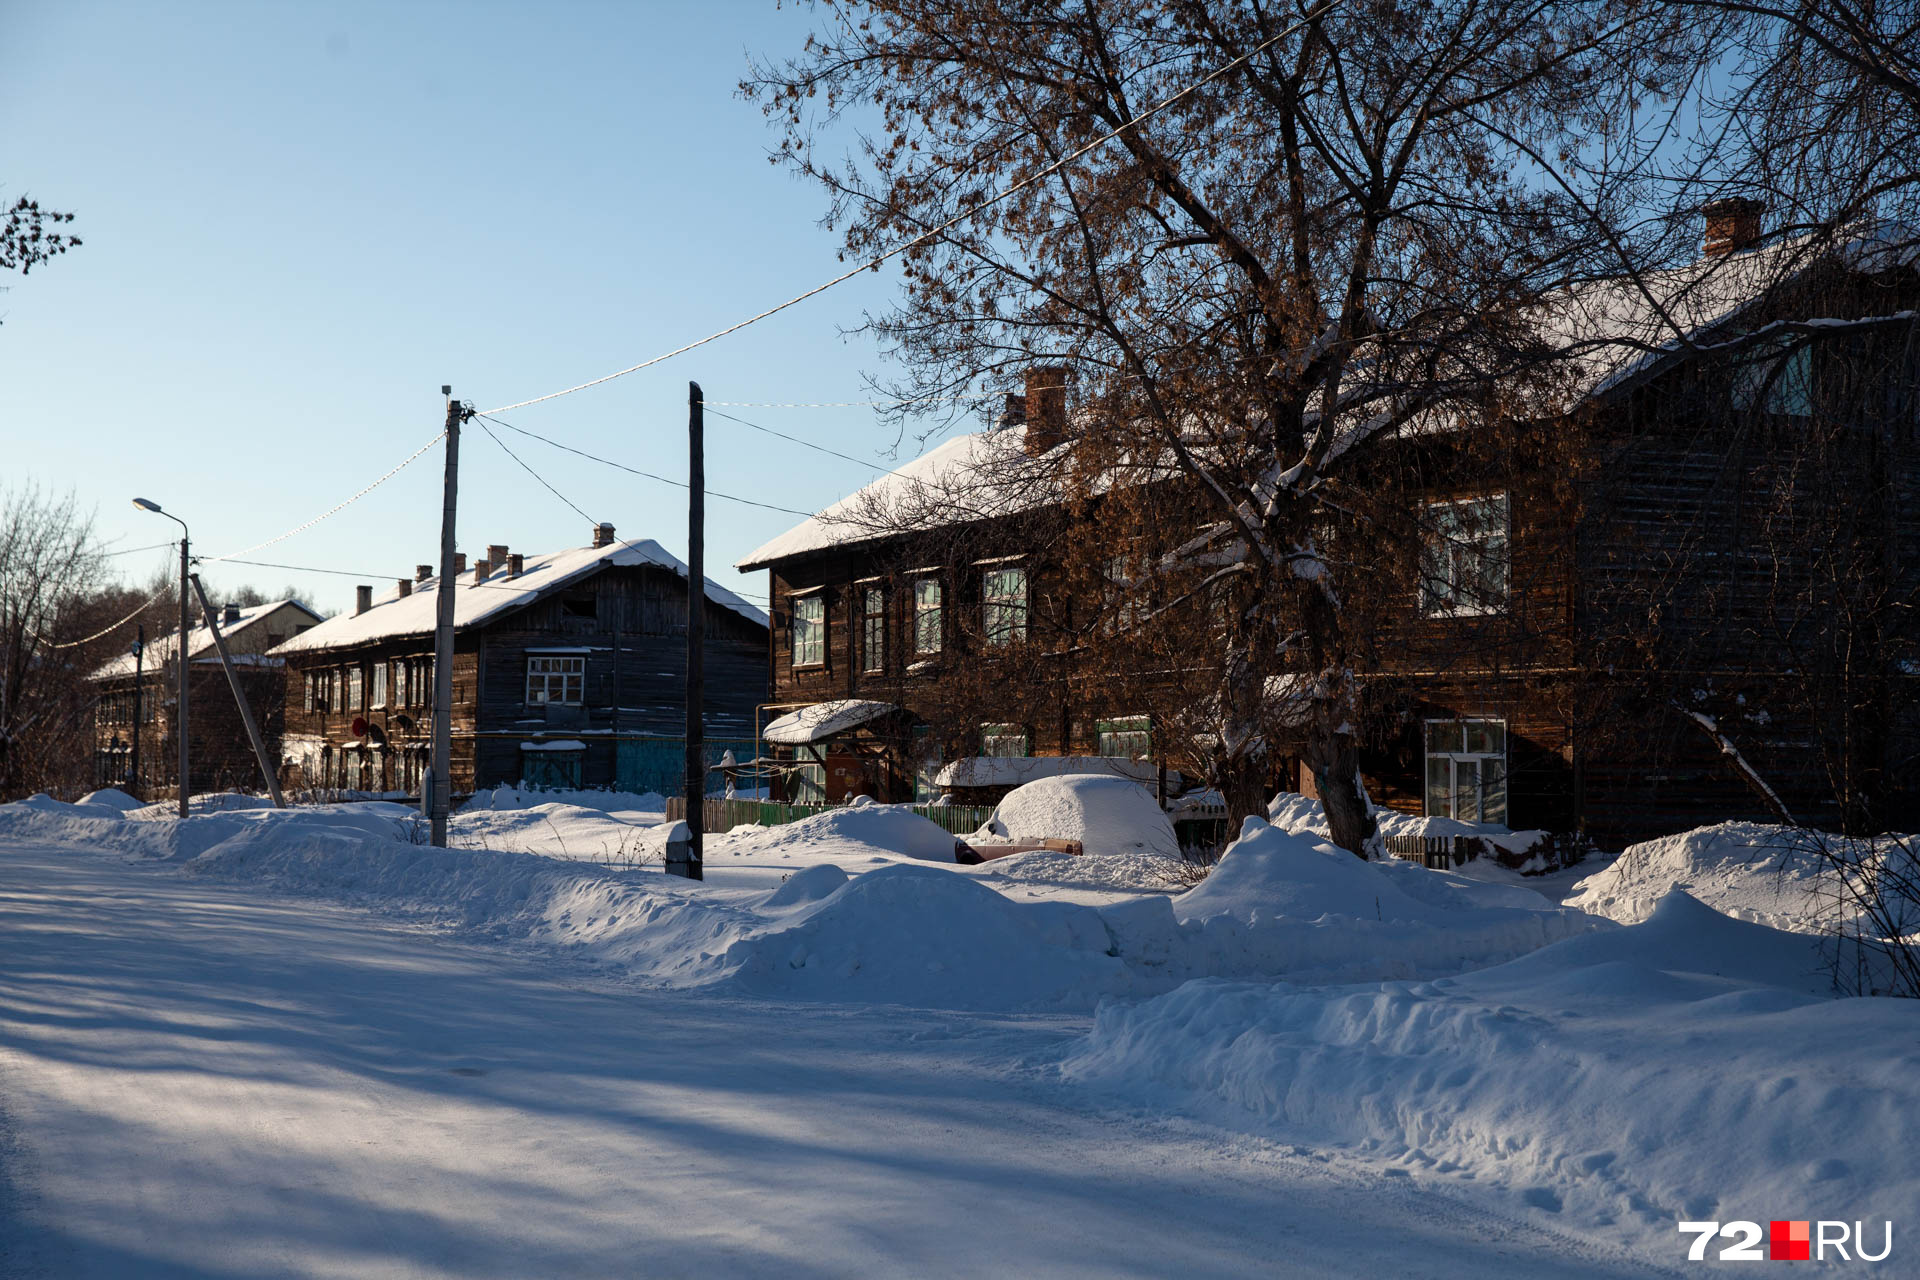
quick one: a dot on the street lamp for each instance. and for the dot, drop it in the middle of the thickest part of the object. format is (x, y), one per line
(146, 504)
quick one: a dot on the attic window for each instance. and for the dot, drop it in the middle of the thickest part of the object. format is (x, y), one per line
(580, 607)
(1464, 564)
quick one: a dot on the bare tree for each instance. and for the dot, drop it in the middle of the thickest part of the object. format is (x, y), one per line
(1304, 232)
(29, 235)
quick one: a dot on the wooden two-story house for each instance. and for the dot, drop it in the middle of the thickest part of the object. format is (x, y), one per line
(136, 696)
(569, 672)
(1652, 612)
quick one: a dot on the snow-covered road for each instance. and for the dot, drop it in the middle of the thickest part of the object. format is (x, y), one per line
(201, 1080)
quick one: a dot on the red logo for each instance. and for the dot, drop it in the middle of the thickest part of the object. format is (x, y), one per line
(1790, 1241)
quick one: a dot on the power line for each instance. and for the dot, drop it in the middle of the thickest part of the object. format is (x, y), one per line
(335, 509)
(621, 466)
(112, 626)
(535, 474)
(955, 220)
(127, 551)
(364, 577)
(852, 404)
(817, 448)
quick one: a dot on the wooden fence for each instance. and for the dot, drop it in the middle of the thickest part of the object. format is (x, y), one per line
(1436, 853)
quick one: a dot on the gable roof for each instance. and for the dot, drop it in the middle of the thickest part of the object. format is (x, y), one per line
(199, 641)
(416, 613)
(1612, 330)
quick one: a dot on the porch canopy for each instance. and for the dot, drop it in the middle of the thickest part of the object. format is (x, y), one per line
(823, 720)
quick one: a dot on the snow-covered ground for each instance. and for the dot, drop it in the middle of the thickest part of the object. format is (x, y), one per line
(1301, 1026)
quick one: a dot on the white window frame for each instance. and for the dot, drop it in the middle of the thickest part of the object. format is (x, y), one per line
(568, 670)
(1773, 380)
(1128, 737)
(1003, 606)
(356, 688)
(1465, 572)
(1008, 741)
(379, 696)
(929, 616)
(873, 648)
(1465, 776)
(810, 632)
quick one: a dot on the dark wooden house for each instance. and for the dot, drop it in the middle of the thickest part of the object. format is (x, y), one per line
(136, 697)
(1640, 630)
(569, 672)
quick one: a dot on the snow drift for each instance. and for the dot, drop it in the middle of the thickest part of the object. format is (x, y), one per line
(1688, 1067)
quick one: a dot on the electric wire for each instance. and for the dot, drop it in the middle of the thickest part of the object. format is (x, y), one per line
(375, 577)
(139, 609)
(492, 435)
(621, 466)
(128, 551)
(817, 448)
(852, 404)
(875, 262)
(335, 509)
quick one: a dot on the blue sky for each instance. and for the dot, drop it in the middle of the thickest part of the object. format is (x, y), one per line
(300, 221)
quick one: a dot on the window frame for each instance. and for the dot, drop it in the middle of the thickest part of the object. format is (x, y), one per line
(929, 617)
(356, 686)
(572, 678)
(1113, 733)
(1485, 762)
(998, 732)
(1003, 620)
(1468, 588)
(812, 652)
(377, 695)
(873, 629)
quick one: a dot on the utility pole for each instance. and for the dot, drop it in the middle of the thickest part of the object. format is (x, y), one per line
(439, 783)
(180, 716)
(139, 651)
(696, 629)
(240, 697)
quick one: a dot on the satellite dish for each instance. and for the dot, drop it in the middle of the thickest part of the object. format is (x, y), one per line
(359, 726)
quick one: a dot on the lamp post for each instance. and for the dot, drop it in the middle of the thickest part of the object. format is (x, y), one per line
(180, 713)
(139, 721)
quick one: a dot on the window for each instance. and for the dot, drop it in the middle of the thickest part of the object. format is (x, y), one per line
(1772, 382)
(873, 629)
(581, 607)
(555, 680)
(379, 685)
(1463, 569)
(401, 693)
(334, 684)
(1003, 740)
(1003, 605)
(810, 631)
(1130, 737)
(544, 768)
(315, 695)
(1121, 602)
(807, 784)
(926, 765)
(1467, 770)
(927, 623)
(354, 690)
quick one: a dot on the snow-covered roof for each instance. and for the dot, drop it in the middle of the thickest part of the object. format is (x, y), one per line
(1013, 771)
(823, 720)
(200, 646)
(965, 478)
(394, 615)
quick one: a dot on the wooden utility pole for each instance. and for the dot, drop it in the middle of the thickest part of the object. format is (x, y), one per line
(267, 770)
(696, 629)
(439, 784)
(180, 705)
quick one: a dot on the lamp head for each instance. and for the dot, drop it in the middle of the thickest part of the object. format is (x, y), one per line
(146, 504)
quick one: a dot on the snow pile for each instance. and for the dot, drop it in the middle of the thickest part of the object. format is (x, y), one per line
(894, 828)
(1283, 905)
(1106, 814)
(1127, 873)
(529, 797)
(1291, 811)
(1753, 871)
(1689, 1067)
(558, 830)
(112, 798)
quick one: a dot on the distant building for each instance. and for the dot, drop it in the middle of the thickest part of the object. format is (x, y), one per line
(569, 671)
(221, 756)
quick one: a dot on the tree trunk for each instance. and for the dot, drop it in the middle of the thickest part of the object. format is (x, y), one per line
(1242, 784)
(1336, 774)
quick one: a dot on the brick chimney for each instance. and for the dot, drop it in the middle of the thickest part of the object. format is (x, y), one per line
(406, 587)
(421, 572)
(603, 534)
(362, 599)
(1046, 406)
(1733, 224)
(516, 564)
(497, 554)
(480, 571)
(230, 615)
(459, 563)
